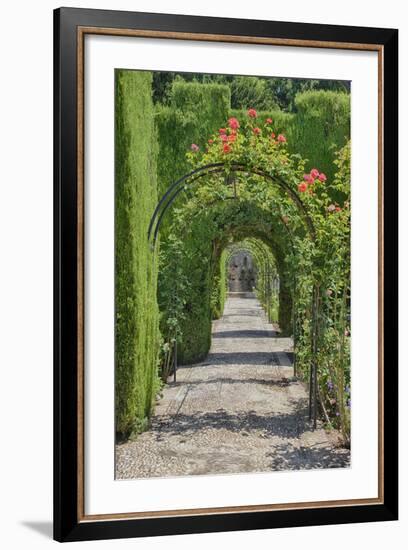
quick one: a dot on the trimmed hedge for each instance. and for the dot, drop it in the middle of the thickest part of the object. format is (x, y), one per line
(195, 112)
(321, 127)
(136, 315)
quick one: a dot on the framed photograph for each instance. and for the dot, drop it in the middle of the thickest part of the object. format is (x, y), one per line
(225, 274)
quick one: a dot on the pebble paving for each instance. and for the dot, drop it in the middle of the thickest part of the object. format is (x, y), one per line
(240, 410)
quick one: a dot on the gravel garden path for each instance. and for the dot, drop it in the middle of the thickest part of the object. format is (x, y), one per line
(240, 410)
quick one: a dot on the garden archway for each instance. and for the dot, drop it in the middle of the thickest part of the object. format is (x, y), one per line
(225, 169)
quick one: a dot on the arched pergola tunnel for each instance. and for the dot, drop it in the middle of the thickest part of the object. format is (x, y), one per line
(236, 230)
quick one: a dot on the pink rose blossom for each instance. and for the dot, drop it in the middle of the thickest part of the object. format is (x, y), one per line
(233, 123)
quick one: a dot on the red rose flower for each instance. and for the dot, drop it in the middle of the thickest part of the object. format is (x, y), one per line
(226, 148)
(338, 209)
(222, 131)
(269, 121)
(302, 187)
(314, 173)
(281, 138)
(322, 177)
(273, 135)
(256, 131)
(233, 123)
(252, 113)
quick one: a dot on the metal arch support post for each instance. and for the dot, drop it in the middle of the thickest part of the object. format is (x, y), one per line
(175, 360)
(313, 365)
(294, 327)
(268, 282)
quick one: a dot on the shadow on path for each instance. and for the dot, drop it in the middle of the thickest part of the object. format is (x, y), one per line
(245, 334)
(240, 358)
(288, 457)
(290, 425)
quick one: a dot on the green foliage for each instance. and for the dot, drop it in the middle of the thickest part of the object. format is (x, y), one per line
(251, 91)
(194, 111)
(322, 126)
(319, 255)
(327, 264)
(285, 90)
(136, 315)
(219, 286)
(197, 264)
(204, 223)
(318, 128)
(209, 101)
(258, 92)
(281, 121)
(174, 285)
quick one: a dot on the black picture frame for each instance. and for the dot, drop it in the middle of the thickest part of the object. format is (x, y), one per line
(67, 523)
